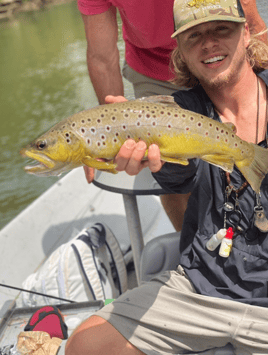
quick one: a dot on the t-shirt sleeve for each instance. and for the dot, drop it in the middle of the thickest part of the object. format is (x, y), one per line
(93, 7)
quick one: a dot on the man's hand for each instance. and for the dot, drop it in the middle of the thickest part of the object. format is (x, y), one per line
(131, 154)
(110, 99)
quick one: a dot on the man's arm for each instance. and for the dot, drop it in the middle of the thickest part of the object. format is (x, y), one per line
(102, 54)
(256, 23)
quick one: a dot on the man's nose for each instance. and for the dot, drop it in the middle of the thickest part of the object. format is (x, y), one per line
(208, 40)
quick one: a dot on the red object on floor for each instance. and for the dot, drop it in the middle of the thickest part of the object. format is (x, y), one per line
(48, 319)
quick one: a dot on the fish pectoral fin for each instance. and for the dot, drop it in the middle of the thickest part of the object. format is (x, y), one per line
(223, 161)
(107, 166)
(178, 160)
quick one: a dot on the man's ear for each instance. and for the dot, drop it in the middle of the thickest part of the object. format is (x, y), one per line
(180, 51)
(182, 57)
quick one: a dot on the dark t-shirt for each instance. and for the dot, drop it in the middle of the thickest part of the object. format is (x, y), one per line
(243, 276)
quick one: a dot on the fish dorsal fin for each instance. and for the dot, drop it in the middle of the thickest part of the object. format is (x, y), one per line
(160, 99)
(231, 126)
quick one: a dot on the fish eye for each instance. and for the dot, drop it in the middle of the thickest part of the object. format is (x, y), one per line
(41, 145)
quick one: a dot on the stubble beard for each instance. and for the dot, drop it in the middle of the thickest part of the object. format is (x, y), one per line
(224, 79)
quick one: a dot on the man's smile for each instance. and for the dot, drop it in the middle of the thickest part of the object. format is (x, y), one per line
(214, 59)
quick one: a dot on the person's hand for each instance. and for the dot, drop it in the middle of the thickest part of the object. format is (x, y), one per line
(89, 172)
(110, 99)
(131, 154)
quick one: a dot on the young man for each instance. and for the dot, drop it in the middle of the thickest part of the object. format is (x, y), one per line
(148, 45)
(210, 300)
(147, 30)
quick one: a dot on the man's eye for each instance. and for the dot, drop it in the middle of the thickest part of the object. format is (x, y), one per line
(194, 35)
(222, 28)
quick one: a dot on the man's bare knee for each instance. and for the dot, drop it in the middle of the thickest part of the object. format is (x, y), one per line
(97, 336)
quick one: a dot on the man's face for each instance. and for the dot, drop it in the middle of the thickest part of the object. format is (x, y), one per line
(215, 52)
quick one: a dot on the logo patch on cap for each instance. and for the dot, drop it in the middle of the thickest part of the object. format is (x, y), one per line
(198, 3)
(190, 13)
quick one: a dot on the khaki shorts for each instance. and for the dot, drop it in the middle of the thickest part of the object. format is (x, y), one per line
(167, 316)
(145, 86)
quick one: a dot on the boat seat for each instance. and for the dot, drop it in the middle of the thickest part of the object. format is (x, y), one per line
(161, 254)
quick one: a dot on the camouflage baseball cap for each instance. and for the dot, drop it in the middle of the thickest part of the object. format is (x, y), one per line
(189, 13)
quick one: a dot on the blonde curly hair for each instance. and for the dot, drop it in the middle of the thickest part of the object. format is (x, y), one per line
(256, 55)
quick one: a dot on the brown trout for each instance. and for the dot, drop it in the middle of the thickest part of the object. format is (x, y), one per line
(87, 136)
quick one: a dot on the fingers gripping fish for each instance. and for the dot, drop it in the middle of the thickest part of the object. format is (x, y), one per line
(98, 133)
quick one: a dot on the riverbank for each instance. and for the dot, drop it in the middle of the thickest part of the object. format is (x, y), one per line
(9, 8)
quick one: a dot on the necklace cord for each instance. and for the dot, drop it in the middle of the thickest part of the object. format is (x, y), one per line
(258, 109)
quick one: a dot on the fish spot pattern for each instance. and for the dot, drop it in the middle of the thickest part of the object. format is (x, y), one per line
(113, 125)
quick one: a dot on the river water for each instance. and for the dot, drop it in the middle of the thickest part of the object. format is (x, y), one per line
(43, 79)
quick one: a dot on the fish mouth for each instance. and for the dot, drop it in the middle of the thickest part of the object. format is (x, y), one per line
(40, 164)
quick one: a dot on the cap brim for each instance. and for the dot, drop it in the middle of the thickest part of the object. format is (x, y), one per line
(207, 19)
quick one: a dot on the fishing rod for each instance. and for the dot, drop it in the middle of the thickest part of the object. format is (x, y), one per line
(37, 293)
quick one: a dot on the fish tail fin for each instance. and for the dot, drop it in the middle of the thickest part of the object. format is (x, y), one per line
(256, 171)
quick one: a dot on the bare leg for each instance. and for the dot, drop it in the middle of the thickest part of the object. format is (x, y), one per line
(96, 336)
(175, 206)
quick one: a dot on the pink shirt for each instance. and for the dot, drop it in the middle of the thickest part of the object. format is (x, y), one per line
(147, 27)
